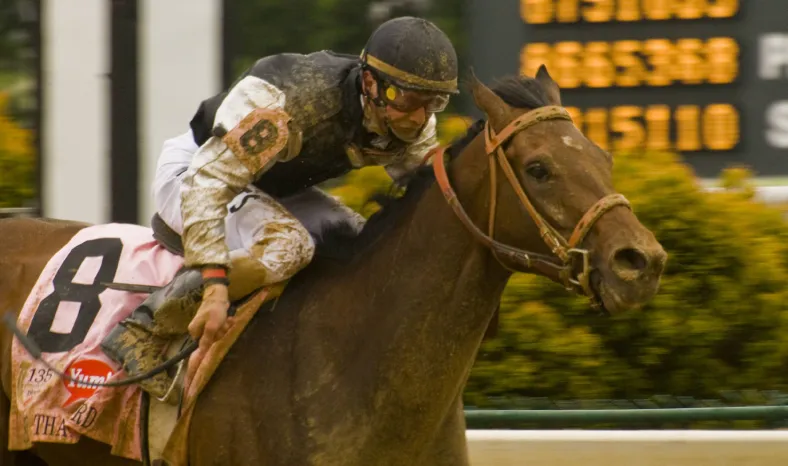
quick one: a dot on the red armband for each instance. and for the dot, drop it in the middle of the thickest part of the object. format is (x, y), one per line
(214, 275)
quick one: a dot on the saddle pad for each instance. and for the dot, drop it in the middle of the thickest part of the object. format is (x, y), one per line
(68, 313)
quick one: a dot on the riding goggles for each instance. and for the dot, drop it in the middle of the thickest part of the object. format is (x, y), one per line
(407, 101)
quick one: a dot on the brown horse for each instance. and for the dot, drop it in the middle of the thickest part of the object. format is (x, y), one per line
(364, 358)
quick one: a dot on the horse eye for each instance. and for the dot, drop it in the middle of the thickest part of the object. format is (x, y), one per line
(538, 171)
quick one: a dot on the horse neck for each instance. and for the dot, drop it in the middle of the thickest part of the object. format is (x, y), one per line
(388, 341)
(435, 288)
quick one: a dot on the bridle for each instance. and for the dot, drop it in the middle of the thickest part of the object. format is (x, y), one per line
(515, 259)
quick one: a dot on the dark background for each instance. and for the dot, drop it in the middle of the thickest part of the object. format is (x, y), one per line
(498, 33)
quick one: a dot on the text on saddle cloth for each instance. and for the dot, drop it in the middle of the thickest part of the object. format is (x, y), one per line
(68, 313)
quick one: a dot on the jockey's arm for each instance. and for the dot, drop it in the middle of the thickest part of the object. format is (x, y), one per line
(416, 152)
(250, 134)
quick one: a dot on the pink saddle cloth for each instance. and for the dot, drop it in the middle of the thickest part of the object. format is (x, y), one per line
(68, 313)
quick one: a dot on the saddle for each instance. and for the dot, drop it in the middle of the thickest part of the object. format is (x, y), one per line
(166, 236)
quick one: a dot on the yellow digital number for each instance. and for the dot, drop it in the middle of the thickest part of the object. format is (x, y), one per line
(567, 63)
(577, 116)
(628, 10)
(689, 9)
(603, 11)
(536, 11)
(568, 11)
(596, 126)
(625, 121)
(598, 11)
(625, 57)
(657, 10)
(722, 56)
(598, 70)
(660, 57)
(628, 127)
(630, 63)
(688, 128)
(658, 127)
(720, 127)
(722, 8)
(689, 66)
(535, 55)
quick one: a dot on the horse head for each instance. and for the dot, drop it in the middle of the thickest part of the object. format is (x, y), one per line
(555, 210)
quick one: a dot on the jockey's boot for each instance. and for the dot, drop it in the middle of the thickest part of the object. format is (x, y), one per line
(139, 342)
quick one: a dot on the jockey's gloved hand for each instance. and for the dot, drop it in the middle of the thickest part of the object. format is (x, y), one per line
(210, 322)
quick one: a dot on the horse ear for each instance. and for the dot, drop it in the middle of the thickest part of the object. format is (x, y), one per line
(488, 101)
(546, 81)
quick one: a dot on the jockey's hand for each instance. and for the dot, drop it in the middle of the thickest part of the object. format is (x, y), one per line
(211, 323)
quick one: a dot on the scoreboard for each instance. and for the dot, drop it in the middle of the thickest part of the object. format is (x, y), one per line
(705, 78)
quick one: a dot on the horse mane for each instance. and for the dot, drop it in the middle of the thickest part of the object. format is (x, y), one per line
(521, 92)
(341, 243)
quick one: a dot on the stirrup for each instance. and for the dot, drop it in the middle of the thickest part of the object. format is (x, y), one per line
(168, 397)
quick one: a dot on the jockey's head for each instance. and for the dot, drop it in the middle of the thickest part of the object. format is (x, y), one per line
(409, 71)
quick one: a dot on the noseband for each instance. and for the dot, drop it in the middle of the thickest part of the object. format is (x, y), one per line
(519, 260)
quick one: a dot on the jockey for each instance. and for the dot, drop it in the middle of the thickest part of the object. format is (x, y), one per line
(238, 189)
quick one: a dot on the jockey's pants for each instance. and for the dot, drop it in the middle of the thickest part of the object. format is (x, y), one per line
(259, 229)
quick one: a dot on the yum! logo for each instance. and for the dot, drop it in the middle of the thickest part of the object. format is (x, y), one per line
(86, 374)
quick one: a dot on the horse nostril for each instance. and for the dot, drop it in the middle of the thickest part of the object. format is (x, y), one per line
(630, 259)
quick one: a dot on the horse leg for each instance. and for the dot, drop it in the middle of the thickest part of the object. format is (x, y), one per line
(449, 448)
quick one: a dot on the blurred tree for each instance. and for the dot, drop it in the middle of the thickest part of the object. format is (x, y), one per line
(16, 17)
(17, 161)
(10, 43)
(718, 322)
(264, 28)
(18, 58)
(260, 28)
(538, 353)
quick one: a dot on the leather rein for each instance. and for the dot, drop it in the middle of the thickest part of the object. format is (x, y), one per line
(519, 260)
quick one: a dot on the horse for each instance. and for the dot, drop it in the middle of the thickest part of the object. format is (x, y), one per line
(363, 358)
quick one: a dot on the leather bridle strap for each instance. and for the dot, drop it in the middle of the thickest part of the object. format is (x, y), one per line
(517, 259)
(523, 260)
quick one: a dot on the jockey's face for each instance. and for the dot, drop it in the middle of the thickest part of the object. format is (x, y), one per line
(405, 112)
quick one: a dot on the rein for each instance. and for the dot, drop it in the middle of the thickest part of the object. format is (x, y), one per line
(559, 268)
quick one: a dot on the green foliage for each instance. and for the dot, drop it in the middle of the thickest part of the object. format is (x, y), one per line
(539, 353)
(357, 187)
(718, 322)
(11, 35)
(263, 28)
